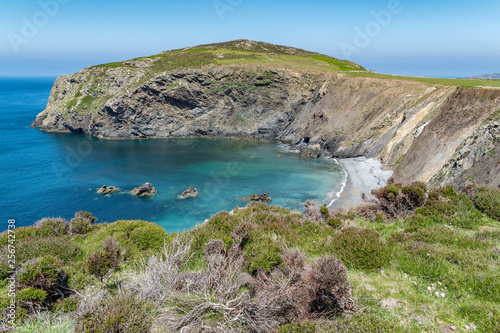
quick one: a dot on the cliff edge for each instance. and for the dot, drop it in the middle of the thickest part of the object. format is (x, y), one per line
(424, 131)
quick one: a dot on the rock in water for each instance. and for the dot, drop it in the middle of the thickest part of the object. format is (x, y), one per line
(264, 197)
(191, 192)
(107, 189)
(310, 151)
(144, 189)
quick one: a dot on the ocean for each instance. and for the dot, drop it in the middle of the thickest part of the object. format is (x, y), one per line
(54, 174)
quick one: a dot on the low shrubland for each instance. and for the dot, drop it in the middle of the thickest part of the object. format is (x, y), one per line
(410, 259)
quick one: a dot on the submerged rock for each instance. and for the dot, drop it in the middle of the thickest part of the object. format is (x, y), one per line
(107, 189)
(191, 192)
(264, 197)
(310, 151)
(144, 189)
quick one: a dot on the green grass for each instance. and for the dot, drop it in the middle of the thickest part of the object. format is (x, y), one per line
(446, 82)
(231, 53)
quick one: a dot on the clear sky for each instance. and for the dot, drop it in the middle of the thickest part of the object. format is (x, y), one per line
(411, 37)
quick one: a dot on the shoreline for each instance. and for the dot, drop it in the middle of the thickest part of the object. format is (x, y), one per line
(362, 176)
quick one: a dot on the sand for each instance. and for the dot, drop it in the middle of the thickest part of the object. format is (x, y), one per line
(362, 176)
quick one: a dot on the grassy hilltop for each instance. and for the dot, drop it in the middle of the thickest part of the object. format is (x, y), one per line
(246, 52)
(241, 52)
(412, 260)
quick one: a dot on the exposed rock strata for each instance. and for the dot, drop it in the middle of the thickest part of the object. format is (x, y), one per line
(310, 151)
(415, 128)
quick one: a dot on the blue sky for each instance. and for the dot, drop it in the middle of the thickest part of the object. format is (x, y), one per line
(411, 37)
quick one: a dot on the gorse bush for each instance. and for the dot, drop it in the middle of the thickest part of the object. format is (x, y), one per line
(324, 211)
(361, 248)
(87, 216)
(62, 248)
(44, 274)
(52, 227)
(137, 238)
(150, 236)
(101, 263)
(395, 201)
(21, 233)
(79, 226)
(488, 202)
(334, 222)
(31, 295)
(218, 227)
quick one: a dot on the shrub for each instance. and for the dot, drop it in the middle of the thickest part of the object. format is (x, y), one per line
(150, 236)
(361, 248)
(219, 226)
(28, 249)
(261, 252)
(52, 227)
(332, 291)
(324, 211)
(21, 233)
(312, 212)
(79, 226)
(334, 222)
(31, 295)
(101, 263)
(296, 291)
(87, 216)
(394, 201)
(44, 273)
(488, 201)
(415, 193)
(122, 313)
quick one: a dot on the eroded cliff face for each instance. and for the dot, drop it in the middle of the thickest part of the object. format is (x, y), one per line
(415, 128)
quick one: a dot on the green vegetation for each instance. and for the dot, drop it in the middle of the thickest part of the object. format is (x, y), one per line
(236, 52)
(413, 259)
(446, 82)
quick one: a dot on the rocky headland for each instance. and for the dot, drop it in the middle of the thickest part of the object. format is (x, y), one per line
(423, 131)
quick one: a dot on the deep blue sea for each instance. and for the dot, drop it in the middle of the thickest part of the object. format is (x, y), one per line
(50, 175)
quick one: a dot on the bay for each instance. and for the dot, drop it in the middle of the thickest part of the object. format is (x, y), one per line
(54, 174)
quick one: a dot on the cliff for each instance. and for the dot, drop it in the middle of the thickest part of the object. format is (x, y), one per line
(259, 90)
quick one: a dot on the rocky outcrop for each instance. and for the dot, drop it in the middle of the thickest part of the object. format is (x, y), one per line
(412, 127)
(264, 197)
(477, 159)
(107, 189)
(144, 190)
(310, 151)
(191, 192)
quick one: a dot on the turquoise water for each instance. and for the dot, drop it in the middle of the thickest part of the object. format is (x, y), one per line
(50, 174)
